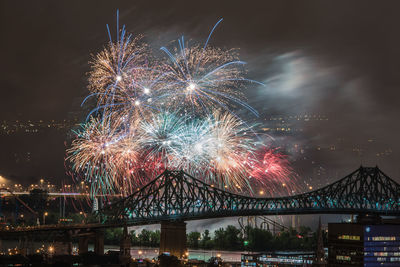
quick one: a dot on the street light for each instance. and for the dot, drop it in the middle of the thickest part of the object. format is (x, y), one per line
(44, 217)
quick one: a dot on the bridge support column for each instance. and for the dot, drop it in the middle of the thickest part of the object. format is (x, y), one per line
(29, 244)
(125, 246)
(22, 245)
(99, 242)
(173, 238)
(83, 244)
(63, 244)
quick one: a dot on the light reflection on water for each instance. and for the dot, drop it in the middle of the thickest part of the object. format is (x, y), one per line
(142, 252)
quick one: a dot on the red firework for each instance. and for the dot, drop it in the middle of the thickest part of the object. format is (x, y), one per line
(273, 171)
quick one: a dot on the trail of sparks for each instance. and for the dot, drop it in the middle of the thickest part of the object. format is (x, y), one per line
(177, 112)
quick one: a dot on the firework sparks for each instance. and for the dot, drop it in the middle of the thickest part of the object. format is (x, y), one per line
(90, 153)
(153, 115)
(205, 78)
(113, 69)
(274, 168)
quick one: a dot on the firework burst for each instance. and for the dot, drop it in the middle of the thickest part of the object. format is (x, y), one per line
(90, 153)
(113, 69)
(204, 78)
(176, 113)
(273, 168)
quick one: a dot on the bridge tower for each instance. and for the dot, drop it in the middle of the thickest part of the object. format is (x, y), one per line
(99, 242)
(95, 205)
(173, 238)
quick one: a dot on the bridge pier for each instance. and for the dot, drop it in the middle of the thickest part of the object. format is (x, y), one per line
(173, 238)
(26, 244)
(97, 236)
(125, 246)
(99, 242)
(83, 243)
(22, 245)
(63, 244)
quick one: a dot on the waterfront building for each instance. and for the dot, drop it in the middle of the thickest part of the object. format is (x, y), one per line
(364, 244)
(279, 258)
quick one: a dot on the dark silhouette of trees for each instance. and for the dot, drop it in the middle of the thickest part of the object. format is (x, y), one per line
(229, 238)
(193, 239)
(113, 236)
(206, 241)
(233, 237)
(144, 237)
(155, 238)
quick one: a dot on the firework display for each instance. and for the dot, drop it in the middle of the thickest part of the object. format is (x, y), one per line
(174, 112)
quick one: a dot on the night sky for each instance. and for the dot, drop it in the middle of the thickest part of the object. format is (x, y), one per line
(338, 58)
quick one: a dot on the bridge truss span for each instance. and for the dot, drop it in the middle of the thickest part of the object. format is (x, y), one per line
(176, 195)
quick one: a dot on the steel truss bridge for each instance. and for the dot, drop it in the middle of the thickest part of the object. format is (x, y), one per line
(176, 195)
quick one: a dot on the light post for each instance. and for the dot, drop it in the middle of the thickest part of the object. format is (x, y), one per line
(44, 217)
(83, 215)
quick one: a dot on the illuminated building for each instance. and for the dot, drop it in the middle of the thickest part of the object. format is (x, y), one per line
(289, 124)
(295, 258)
(33, 127)
(364, 244)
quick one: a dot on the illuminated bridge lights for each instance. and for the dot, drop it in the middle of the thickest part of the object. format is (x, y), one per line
(160, 199)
